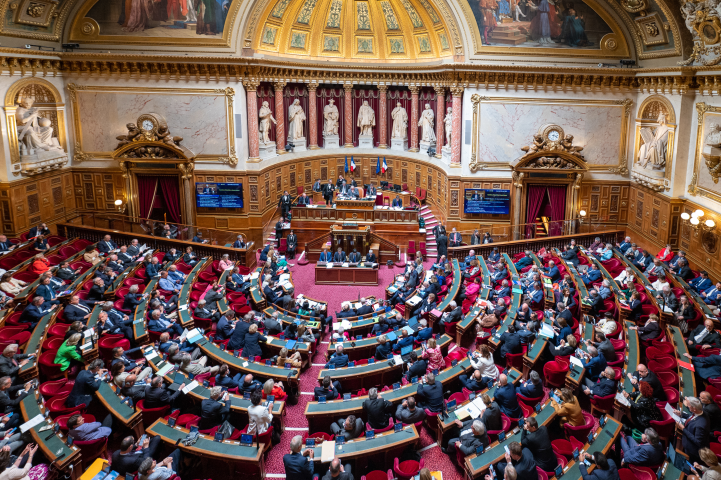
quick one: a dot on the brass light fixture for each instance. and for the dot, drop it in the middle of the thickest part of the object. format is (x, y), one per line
(695, 220)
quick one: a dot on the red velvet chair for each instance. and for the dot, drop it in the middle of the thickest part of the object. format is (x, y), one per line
(378, 475)
(602, 404)
(665, 428)
(52, 388)
(108, 342)
(531, 402)
(668, 379)
(580, 433)
(12, 335)
(493, 434)
(555, 374)
(62, 420)
(381, 430)
(664, 363)
(541, 474)
(48, 368)
(642, 473)
(58, 330)
(92, 449)
(407, 469)
(51, 344)
(56, 406)
(514, 360)
(264, 438)
(565, 448)
(150, 415)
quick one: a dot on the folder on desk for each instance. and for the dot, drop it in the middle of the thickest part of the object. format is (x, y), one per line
(194, 335)
(517, 291)
(391, 336)
(686, 365)
(290, 344)
(165, 369)
(436, 313)
(327, 451)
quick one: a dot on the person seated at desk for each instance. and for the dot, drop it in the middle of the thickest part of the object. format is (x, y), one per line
(377, 409)
(536, 439)
(408, 412)
(384, 350)
(202, 311)
(86, 384)
(701, 283)
(643, 374)
(455, 239)
(303, 199)
(430, 395)
(130, 365)
(594, 363)
(604, 386)
(473, 383)
(552, 271)
(510, 342)
(472, 435)
(325, 256)
(163, 470)
(432, 353)
(328, 389)
(397, 202)
(354, 256)
(416, 366)
(85, 432)
(533, 387)
(648, 453)
(164, 343)
(252, 342)
(339, 358)
(212, 412)
(187, 364)
(506, 398)
(129, 457)
(371, 257)
(643, 408)
(569, 410)
(97, 292)
(248, 385)
(223, 378)
(157, 395)
(405, 292)
(339, 256)
(500, 272)
(426, 306)
(297, 465)
(703, 337)
(521, 459)
(424, 331)
(76, 311)
(591, 275)
(596, 303)
(160, 323)
(605, 467)
(5, 245)
(350, 427)
(565, 348)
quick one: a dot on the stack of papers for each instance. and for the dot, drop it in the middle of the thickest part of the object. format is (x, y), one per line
(576, 361)
(623, 400)
(415, 300)
(669, 409)
(547, 331)
(189, 387)
(165, 369)
(36, 420)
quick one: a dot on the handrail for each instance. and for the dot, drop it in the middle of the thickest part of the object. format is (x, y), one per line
(526, 231)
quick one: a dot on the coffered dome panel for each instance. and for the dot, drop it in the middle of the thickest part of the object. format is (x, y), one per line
(355, 30)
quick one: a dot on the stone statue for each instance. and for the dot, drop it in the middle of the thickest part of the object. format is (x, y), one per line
(366, 119)
(34, 131)
(448, 124)
(400, 122)
(330, 115)
(426, 122)
(296, 117)
(712, 151)
(652, 154)
(265, 116)
(133, 131)
(713, 139)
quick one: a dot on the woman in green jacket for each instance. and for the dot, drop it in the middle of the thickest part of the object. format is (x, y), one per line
(68, 352)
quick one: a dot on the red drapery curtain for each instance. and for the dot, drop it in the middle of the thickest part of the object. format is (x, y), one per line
(292, 92)
(266, 94)
(147, 185)
(536, 193)
(392, 98)
(557, 200)
(360, 95)
(171, 196)
(323, 95)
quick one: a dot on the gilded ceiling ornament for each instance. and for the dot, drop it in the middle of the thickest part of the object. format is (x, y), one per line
(634, 6)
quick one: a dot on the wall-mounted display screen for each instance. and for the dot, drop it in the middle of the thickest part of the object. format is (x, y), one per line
(488, 202)
(219, 195)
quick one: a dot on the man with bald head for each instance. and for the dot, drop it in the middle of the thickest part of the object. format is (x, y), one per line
(130, 389)
(703, 337)
(338, 471)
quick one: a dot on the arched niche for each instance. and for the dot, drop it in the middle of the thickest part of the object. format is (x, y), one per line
(656, 173)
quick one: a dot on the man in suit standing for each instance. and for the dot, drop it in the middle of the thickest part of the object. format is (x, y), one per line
(506, 398)
(536, 439)
(279, 229)
(156, 395)
(350, 427)
(86, 384)
(292, 244)
(298, 466)
(284, 204)
(430, 395)
(129, 458)
(316, 185)
(339, 256)
(703, 337)
(522, 459)
(695, 428)
(328, 189)
(442, 246)
(648, 453)
(212, 412)
(408, 412)
(472, 435)
(397, 202)
(376, 409)
(456, 238)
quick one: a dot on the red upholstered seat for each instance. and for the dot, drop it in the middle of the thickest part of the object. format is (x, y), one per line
(57, 407)
(48, 368)
(52, 388)
(555, 374)
(407, 469)
(150, 415)
(580, 433)
(378, 475)
(381, 430)
(92, 449)
(602, 404)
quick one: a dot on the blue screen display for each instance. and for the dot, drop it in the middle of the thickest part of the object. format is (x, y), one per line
(488, 202)
(219, 195)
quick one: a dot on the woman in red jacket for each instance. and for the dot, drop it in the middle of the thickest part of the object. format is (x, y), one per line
(40, 265)
(665, 255)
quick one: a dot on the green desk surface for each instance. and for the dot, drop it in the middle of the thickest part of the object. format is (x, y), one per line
(605, 274)
(185, 316)
(580, 286)
(670, 472)
(236, 363)
(453, 288)
(468, 319)
(603, 442)
(363, 446)
(36, 339)
(577, 375)
(547, 288)
(636, 272)
(95, 313)
(633, 355)
(222, 303)
(228, 448)
(204, 393)
(497, 450)
(513, 375)
(485, 292)
(114, 403)
(356, 404)
(696, 297)
(53, 447)
(536, 349)
(686, 376)
(369, 368)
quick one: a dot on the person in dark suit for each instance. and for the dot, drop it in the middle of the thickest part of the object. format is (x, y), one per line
(350, 427)
(86, 384)
(354, 256)
(709, 406)
(703, 337)
(522, 459)
(570, 256)
(430, 395)
(64, 272)
(202, 311)
(130, 389)
(643, 374)
(594, 363)
(506, 398)
(408, 412)
(212, 412)
(269, 291)
(371, 257)
(706, 367)
(596, 302)
(339, 358)
(634, 304)
(328, 189)
(472, 435)
(237, 340)
(328, 389)
(377, 410)
(129, 458)
(604, 386)
(106, 244)
(683, 270)
(11, 361)
(41, 229)
(339, 256)
(605, 468)
(97, 291)
(455, 238)
(156, 395)
(648, 453)
(298, 466)
(224, 327)
(475, 238)
(441, 246)
(292, 244)
(384, 349)
(316, 185)
(510, 342)
(325, 256)
(397, 202)
(695, 428)
(491, 417)
(701, 283)
(5, 245)
(536, 439)
(76, 311)
(34, 312)
(417, 366)
(533, 387)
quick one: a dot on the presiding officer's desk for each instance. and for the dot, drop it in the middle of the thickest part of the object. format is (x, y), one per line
(248, 461)
(353, 274)
(321, 415)
(65, 459)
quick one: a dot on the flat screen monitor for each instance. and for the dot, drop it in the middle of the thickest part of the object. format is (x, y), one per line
(487, 202)
(219, 195)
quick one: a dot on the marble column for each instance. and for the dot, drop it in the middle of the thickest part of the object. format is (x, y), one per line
(312, 117)
(440, 115)
(348, 115)
(383, 114)
(414, 118)
(280, 139)
(251, 89)
(457, 93)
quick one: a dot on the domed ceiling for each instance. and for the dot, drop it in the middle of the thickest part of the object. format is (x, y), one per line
(357, 30)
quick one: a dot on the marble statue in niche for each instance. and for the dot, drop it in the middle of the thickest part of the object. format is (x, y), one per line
(448, 125)
(712, 151)
(266, 117)
(428, 134)
(652, 154)
(330, 125)
(366, 122)
(399, 132)
(35, 132)
(296, 117)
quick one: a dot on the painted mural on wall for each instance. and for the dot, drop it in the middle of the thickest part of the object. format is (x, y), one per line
(161, 18)
(562, 24)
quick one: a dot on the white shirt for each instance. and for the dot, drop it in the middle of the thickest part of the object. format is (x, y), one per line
(259, 417)
(486, 366)
(607, 327)
(700, 336)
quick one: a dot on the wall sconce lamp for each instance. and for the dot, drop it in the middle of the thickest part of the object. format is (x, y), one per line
(695, 221)
(581, 216)
(120, 205)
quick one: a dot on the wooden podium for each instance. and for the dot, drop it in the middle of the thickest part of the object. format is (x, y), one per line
(350, 235)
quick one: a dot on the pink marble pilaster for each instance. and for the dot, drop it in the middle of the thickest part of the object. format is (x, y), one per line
(383, 114)
(251, 89)
(457, 93)
(440, 115)
(348, 115)
(414, 118)
(312, 117)
(280, 139)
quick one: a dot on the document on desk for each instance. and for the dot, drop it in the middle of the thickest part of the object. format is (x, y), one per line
(576, 361)
(36, 420)
(623, 400)
(470, 409)
(151, 355)
(398, 359)
(254, 275)
(284, 278)
(345, 264)
(547, 331)
(327, 451)
(669, 409)
(166, 368)
(190, 387)
(329, 265)
(88, 332)
(415, 300)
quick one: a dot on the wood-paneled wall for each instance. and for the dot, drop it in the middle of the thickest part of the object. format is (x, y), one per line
(654, 217)
(605, 202)
(97, 189)
(702, 247)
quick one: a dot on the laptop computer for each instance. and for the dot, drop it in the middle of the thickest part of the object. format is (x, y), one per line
(406, 352)
(414, 324)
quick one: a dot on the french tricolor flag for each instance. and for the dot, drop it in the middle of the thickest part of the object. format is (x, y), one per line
(384, 167)
(352, 164)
